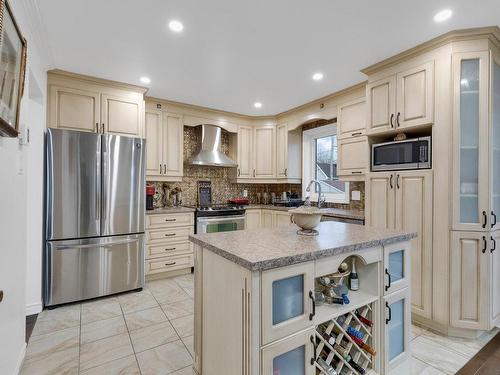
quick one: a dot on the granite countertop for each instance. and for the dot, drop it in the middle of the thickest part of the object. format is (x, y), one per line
(262, 249)
(170, 210)
(334, 212)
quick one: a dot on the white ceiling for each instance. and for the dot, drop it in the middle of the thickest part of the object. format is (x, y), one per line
(233, 53)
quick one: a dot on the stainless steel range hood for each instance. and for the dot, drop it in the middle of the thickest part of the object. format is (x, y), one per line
(210, 153)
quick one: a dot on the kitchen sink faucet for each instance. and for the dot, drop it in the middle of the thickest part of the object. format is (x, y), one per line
(318, 185)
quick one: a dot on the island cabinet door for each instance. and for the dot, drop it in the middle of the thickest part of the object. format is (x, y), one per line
(287, 301)
(295, 355)
(396, 267)
(396, 331)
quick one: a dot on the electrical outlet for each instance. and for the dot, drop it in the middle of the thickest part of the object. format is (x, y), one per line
(356, 195)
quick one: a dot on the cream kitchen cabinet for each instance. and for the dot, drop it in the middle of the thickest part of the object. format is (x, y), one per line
(245, 152)
(267, 218)
(403, 200)
(264, 152)
(402, 100)
(353, 158)
(85, 104)
(164, 143)
(288, 154)
(282, 219)
(351, 119)
(253, 219)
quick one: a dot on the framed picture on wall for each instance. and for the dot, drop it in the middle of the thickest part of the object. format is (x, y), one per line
(13, 49)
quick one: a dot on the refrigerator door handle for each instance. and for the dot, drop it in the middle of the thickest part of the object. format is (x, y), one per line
(98, 175)
(86, 246)
(104, 182)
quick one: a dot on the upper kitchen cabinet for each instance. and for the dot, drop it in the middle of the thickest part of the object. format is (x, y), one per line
(351, 119)
(288, 154)
(402, 100)
(94, 105)
(264, 152)
(164, 143)
(245, 152)
(472, 158)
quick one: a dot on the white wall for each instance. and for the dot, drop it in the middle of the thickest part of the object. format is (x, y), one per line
(21, 189)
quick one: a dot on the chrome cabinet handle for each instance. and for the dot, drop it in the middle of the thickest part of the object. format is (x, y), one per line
(392, 118)
(484, 244)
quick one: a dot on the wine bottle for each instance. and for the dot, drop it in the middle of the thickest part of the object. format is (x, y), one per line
(326, 367)
(362, 319)
(357, 367)
(353, 277)
(331, 339)
(341, 350)
(363, 346)
(354, 332)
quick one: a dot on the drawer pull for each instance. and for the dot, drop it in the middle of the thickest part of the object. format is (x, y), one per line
(357, 172)
(170, 264)
(170, 249)
(167, 220)
(170, 234)
(356, 134)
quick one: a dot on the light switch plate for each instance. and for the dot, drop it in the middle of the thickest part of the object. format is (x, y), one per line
(356, 195)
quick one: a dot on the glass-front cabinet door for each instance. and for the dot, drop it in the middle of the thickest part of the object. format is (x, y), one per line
(495, 140)
(396, 267)
(287, 300)
(397, 338)
(293, 356)
(470, 138)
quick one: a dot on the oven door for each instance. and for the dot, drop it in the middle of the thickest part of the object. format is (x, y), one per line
(220, 224)
(410, 154)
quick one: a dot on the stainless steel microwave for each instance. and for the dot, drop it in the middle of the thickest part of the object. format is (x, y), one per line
(408, 154)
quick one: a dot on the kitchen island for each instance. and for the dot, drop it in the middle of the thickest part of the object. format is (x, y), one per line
(255, 307)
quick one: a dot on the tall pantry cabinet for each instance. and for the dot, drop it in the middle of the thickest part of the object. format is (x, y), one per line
(475, 266)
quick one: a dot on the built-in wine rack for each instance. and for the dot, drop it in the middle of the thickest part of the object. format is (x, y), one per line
(345, 346)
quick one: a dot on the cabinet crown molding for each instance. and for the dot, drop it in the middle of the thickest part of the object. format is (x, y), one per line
(492, 33)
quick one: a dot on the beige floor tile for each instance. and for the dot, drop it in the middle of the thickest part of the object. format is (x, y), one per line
(437, 355)
(106, 350)
(71, 312)
(102, 328)
(43, 346)
(466, 347)
(153, 336)
(416, 331)
(185, 281)
(64, 362)
(169, 293)
(185, 371)
(137, 301)
(145, 318)
(487, 336)
(122, 366)
(420, 368)
(189, 342)
(184, 326)
(162, 285)
(164, 359)
(178, 309)
(101, 309)
(56, 323)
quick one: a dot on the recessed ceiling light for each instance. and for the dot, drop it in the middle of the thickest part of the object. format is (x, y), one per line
(176, 26)
(257, 105)
(145, 80)
(443, 15)
(318, 76)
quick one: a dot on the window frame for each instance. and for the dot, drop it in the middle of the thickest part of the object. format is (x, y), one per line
(309, 163)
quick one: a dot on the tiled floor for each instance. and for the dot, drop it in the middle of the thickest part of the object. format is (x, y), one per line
(148, 332)
(151, 333)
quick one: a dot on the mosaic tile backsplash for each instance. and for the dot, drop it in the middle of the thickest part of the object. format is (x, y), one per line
(223, 180)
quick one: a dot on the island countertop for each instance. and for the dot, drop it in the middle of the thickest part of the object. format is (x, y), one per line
(262, 249)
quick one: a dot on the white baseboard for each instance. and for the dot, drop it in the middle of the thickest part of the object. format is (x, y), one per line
(20, 360)
(34, 308)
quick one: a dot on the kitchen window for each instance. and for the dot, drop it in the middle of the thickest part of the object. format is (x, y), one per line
(320, 163)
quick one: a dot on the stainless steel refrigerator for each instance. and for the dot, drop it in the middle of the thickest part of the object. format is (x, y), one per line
(94, 221)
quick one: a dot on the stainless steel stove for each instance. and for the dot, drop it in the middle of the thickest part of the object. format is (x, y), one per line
(224, 218)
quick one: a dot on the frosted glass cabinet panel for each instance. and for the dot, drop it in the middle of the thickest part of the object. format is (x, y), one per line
(396, 267)
(495, 141)
(397, 342)
(291, 363)
(471, 141)
(287, 300)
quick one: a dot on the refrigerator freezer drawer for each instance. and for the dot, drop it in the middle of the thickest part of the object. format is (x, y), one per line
(87, 268)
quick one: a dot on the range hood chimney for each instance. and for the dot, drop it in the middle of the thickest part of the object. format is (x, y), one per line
(210, 153)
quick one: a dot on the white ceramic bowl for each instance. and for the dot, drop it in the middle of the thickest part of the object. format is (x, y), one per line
(307, 218)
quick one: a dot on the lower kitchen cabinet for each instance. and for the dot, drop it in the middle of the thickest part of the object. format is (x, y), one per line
(267, 219)
(253, 219)
(257, 218)
(167, 243)
(282, 219)
(470, 272)
(396, 335)
(396, 267)
(290, 356)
